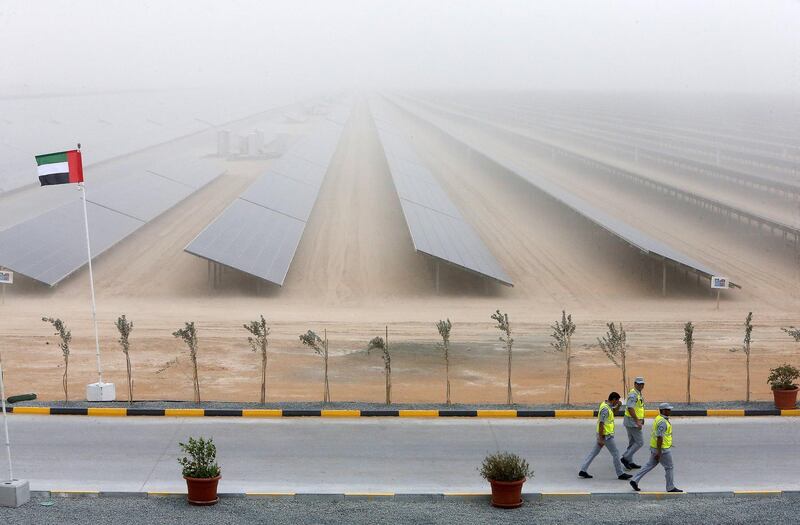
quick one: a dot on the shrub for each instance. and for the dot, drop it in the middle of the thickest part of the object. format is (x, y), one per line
(125, 328)
(505, 466)
(189, 335)
(66, 338)
(259, 341)
(562, 335)
(201, 459)
(783, 377)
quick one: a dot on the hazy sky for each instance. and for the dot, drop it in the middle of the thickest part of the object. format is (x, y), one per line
(699, 45)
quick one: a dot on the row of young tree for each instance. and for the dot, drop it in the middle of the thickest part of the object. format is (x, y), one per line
(614, 345)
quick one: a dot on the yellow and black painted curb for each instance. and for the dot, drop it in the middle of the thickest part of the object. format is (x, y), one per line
(342, 413)
(450, 496)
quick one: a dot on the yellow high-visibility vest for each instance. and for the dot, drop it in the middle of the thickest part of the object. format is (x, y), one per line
(639, 408)
(666, 442)
(608, 426)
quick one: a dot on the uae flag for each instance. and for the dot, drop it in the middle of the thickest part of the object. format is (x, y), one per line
(64, 167)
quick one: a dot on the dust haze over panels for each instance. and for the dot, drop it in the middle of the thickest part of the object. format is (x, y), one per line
(617, 227)
(111, 124)
(436, 226)
(259, 233)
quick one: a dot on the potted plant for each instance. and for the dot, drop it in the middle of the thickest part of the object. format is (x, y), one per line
(200, 470)
(506, 472)
(782, 380)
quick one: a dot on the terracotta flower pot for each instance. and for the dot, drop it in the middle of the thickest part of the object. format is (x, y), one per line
(785, 399)
(202, 491)
(507, 494)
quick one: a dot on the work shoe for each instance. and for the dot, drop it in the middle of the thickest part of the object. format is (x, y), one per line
(635, 485)
(633, 465)
(624, 476)
(585, 474)
(676, 489)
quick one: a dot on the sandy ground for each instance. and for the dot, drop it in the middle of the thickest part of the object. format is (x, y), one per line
(355, 271)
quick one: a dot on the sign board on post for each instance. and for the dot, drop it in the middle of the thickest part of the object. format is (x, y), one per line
(719, 282)
(6, 277)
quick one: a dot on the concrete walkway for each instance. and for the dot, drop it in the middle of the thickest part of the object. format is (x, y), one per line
(387, 455)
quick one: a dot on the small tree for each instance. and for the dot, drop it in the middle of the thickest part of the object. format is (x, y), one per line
(748, 329)
(66, 338)
(320, 347)
(259, 340)
(125, 328)
(562, 333)
(444, 331)
(189, 335)
(505, 337)
(382, 344)
(688, 340)
(615, 345)
(793, 332)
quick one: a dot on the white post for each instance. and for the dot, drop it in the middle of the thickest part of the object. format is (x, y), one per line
(91, 286)
(5, 422)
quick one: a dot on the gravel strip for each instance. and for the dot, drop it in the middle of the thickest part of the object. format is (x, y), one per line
(681, 509)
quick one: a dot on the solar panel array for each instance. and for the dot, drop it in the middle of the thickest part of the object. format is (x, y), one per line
(436, 226)
(613, 225)
(49, 247)
(259, 233)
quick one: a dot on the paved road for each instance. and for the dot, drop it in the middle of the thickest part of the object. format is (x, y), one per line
(386, 455)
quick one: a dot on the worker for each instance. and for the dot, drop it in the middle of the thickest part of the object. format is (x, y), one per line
(660, 449)
(634, 421)
(605, 438)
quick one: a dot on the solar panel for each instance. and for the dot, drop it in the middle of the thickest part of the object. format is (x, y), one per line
(252, 239)
(436, 226)
(613, 225)
(49, 247)
(259, 233)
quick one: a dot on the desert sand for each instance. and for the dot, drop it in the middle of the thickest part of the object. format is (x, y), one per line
(355, 271)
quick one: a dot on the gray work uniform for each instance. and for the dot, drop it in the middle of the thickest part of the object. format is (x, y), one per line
(635, 438)
(666, 460)
(602, 417)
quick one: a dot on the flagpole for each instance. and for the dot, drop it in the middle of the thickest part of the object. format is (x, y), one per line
(91, 286)
(5, 421)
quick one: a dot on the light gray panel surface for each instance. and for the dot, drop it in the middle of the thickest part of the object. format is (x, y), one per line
(436, 226)
(195, 173)
(252, 239)
(300, 169)
(52, 246)
(450, 239)
(142, 195)
(278, 193)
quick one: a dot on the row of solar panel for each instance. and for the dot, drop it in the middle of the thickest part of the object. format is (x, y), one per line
(436, 226)
(613, 225)
(260, 231)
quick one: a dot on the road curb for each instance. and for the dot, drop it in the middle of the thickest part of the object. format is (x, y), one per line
(351, 414)
(427, 497)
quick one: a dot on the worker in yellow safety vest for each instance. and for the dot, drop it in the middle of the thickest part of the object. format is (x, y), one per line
(605, 438)
(660, 449)
(634, 421)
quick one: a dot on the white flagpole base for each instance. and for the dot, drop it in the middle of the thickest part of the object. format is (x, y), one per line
(101, 392)
(14, 493)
